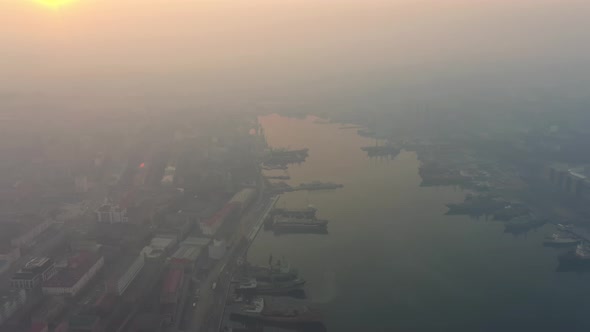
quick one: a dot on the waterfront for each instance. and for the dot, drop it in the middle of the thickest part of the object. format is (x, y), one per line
(393, 261)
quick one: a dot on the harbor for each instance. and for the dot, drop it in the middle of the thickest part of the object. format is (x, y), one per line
(405, 233)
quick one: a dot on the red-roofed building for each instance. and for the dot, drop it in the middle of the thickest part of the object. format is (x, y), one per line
(211, 225)
(171, 286)
(171, 289)
(70, 280)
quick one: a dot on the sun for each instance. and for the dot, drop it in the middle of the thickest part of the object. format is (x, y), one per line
(54, 3)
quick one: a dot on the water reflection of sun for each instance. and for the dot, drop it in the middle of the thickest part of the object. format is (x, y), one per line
(54, 3)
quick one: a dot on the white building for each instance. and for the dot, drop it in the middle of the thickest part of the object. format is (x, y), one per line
(35, 272)
(125, 273)
(111, 214)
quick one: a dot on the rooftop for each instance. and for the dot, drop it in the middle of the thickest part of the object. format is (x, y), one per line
(190, 253)
(77, 266)
(172, 281)
(33, 267)
(195, 241)
(222, 214)
(123, 263)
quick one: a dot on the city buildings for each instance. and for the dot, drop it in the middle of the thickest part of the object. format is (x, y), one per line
(34, 273)
(111, 213)
(72, 279)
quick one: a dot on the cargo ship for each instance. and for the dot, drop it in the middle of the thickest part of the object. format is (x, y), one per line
(276, 272)
(277, 310)
(255, 286)
(308, 212)
(317, 185)
(300, 225)
(560, 240)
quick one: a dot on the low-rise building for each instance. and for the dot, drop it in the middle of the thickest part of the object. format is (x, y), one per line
(34, 273)
(72, 279)
(124, 272)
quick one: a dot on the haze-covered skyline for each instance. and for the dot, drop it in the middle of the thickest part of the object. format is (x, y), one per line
(292, 54)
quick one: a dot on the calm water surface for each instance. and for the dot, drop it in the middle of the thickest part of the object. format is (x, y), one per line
(392, 260)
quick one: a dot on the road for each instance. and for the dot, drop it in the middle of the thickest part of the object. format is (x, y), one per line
(208, 313)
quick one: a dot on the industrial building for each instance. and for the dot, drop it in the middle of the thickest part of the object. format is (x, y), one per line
(171, 292)
(211, 225)
(124, 273)
(34, 273)
(72, 279)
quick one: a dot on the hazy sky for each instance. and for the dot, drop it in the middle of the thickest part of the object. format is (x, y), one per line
(277, 50)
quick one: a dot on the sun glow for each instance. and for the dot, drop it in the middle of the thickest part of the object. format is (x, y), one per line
(54, 3)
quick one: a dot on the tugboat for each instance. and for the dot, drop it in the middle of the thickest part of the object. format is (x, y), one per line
(277, 310)
(277, 272)
(254, 286)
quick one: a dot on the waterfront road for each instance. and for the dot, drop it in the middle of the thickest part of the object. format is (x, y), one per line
(207, 314)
